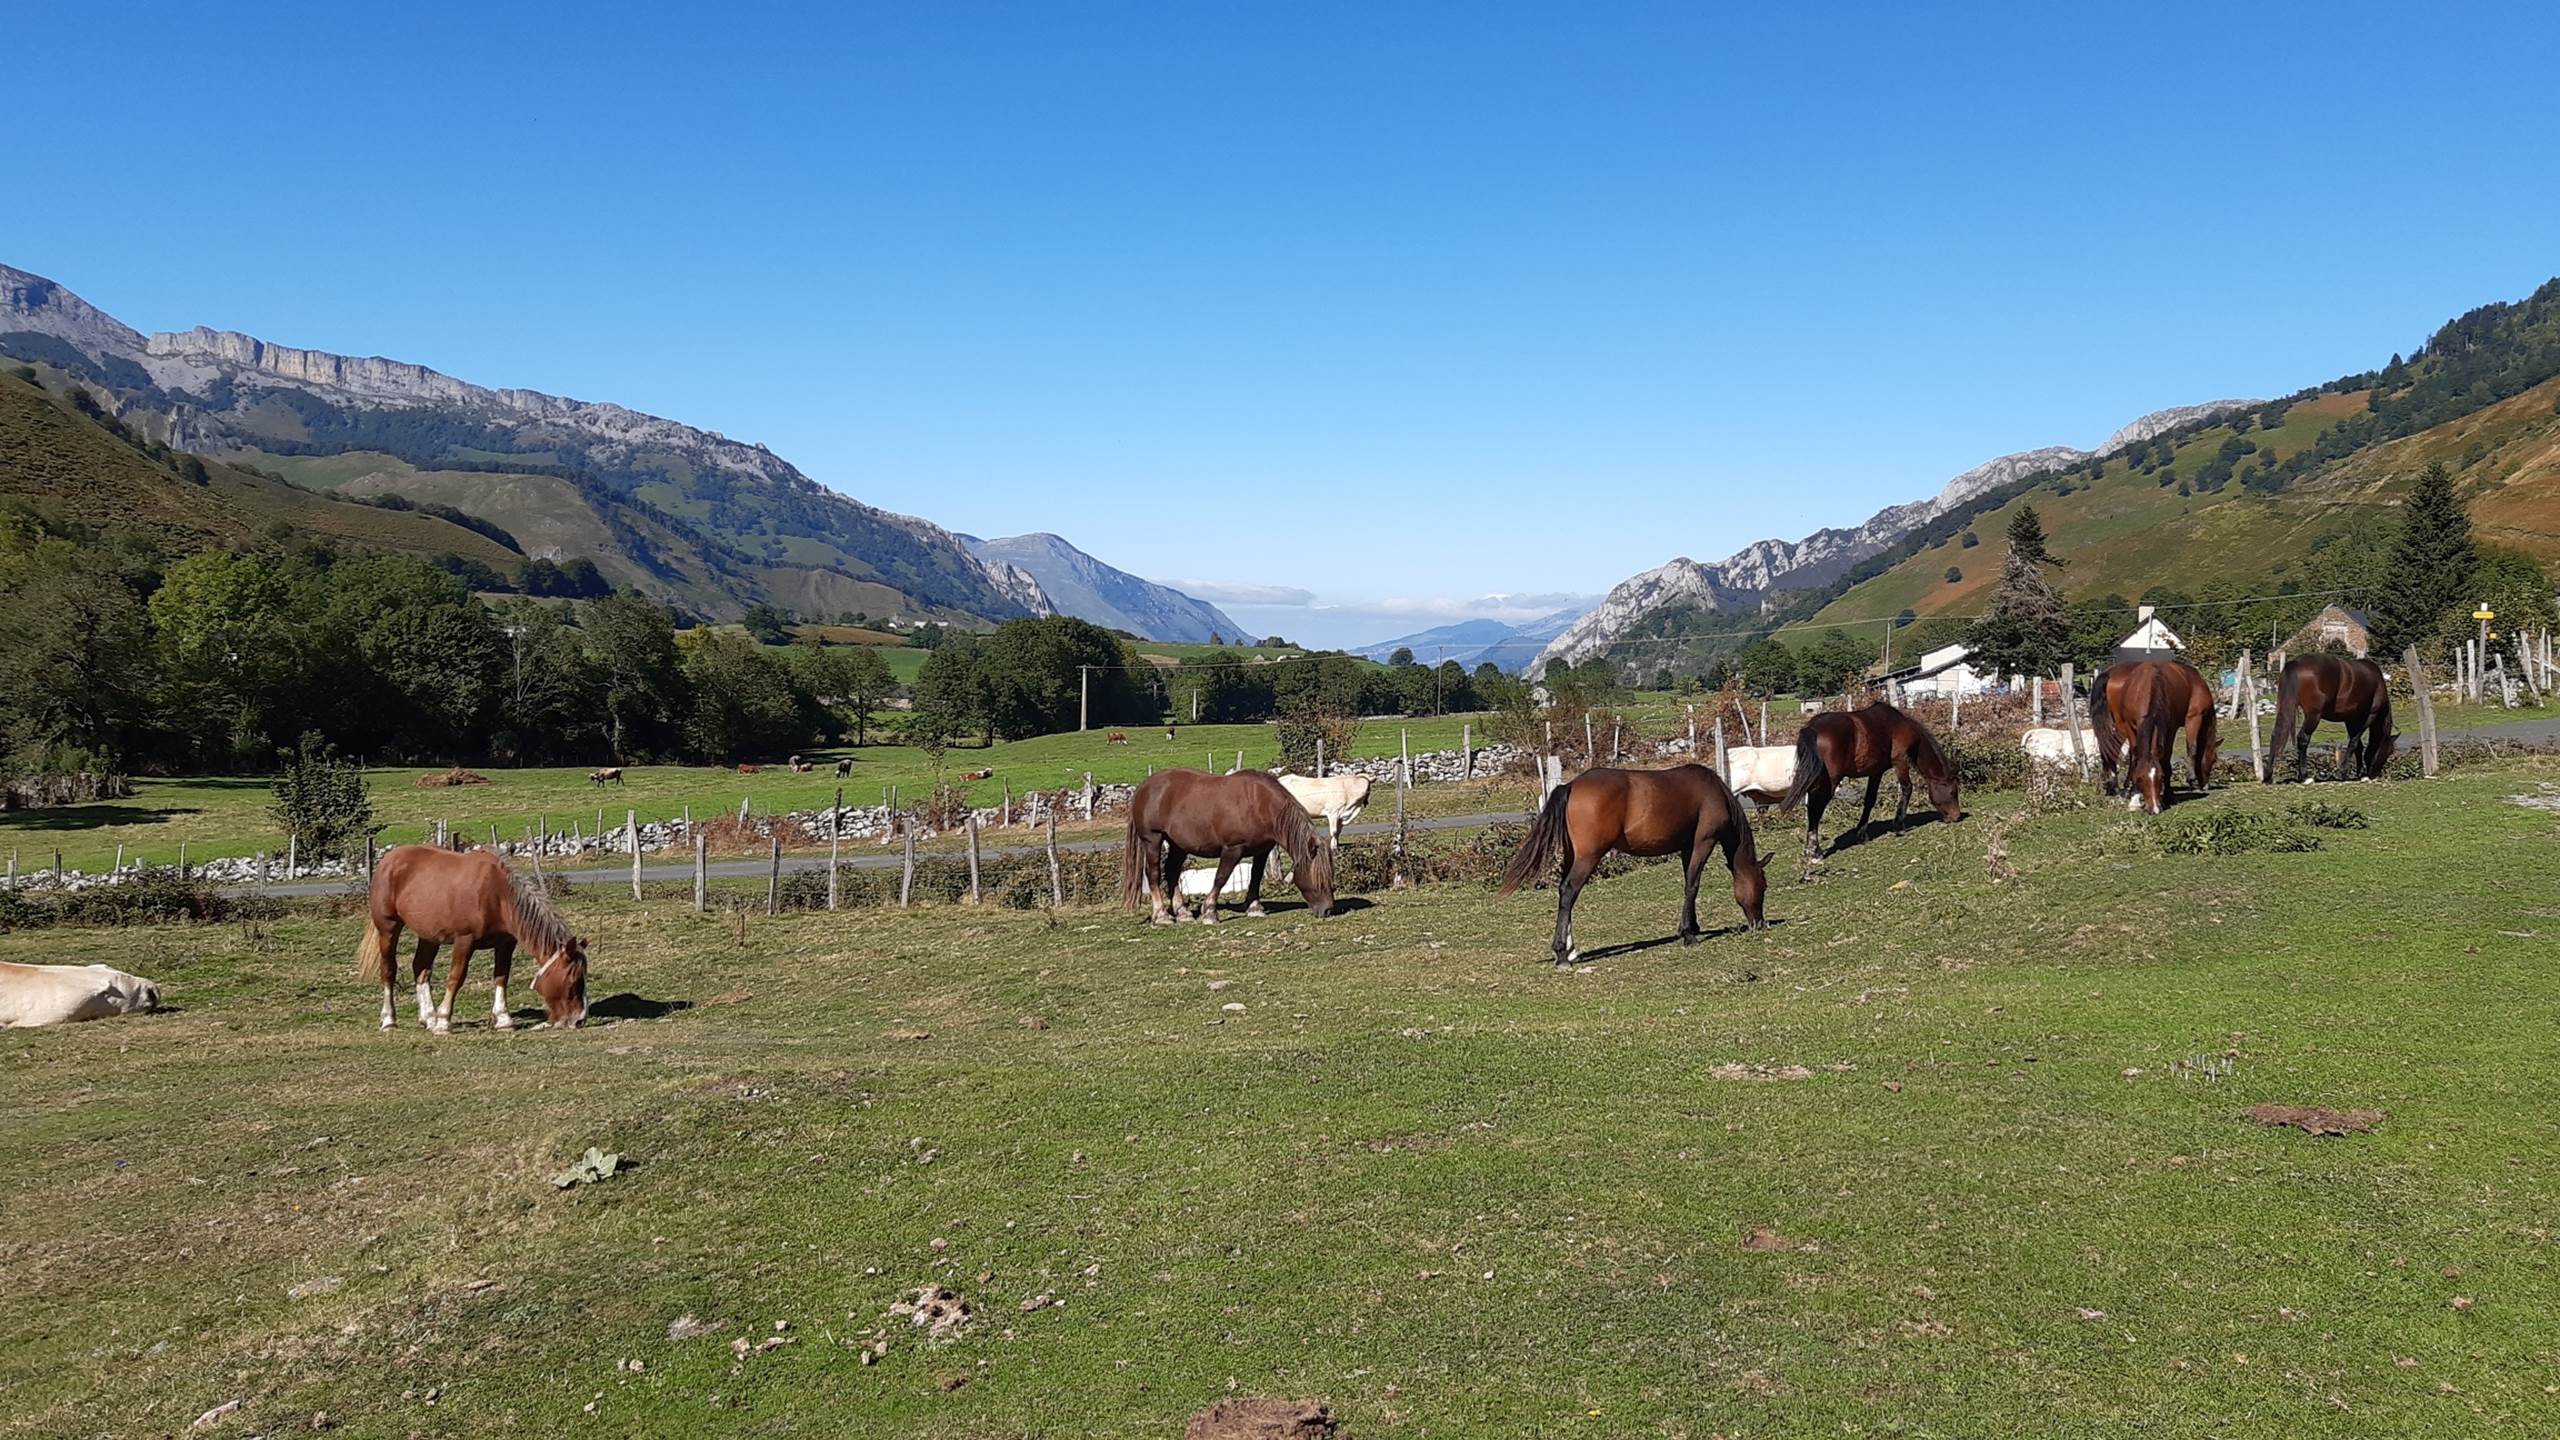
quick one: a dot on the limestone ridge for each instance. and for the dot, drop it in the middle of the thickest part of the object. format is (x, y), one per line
(1082, 586)
(1749, 574)
(702, 519)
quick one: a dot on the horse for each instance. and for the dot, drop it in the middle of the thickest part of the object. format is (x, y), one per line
(611, 773)
(1116, 737)
(1760, 773)
(2136, 710)
(2051, 745)
(1337, 800)
(1686, 811)
(745, 769)
(1842, 745)
(844, 767)
(977, 774)
(1176, 814)
(468, 900)
(33, 995)
(2332, 687)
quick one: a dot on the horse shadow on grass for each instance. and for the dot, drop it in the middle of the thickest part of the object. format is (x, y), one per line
(1633, 947)
(627, 1006)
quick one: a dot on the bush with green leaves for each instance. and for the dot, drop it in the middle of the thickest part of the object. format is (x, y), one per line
(322, 801)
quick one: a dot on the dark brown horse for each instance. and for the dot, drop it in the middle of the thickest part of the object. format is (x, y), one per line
(467, 901)
(1177, 814)
(2136, 710)
(2333, 687)
(1846, 744)
(1686, 811)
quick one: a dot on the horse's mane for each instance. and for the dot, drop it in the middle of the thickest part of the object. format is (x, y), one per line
(1298, 834)
(539, 928)
(1924, 746)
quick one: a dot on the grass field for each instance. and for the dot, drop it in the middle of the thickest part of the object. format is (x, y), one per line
(1419, 1174)
(219, 816)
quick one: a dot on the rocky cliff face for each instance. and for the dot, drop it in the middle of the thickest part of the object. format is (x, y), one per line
(1079, 585)
(1825, 555)
(708, 521)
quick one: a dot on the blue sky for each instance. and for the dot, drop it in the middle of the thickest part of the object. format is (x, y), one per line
(1392, 305)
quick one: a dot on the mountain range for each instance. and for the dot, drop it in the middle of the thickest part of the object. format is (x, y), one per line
(688, 516)
(1475, 642)
(1749, 575)
(1079, 585)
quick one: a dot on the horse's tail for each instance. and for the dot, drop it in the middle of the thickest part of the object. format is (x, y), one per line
(2151, 736)
(2288, 715)
(1808, 764)
(1546, 837)
(2102, 722)
(373, 956)
(1133, 869)
(2380, 739)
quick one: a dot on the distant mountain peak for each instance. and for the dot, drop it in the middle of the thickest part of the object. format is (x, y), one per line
(1087, 588)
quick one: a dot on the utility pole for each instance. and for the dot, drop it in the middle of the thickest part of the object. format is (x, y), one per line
(1084, 694)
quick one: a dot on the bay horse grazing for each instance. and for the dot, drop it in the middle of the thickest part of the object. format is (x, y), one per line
(468, 900)
(1116, 737)
(2333, 687)
(1842, 745)
(1176, 814)
(1686, 811)
(2136, 710)
(599, 777)
(750, 769)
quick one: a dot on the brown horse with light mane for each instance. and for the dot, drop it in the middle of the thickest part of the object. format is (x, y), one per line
(1846, 744)
(2333, 687)
(2136, 710)
(468, 900)
(1177, 814)
(1685, 811)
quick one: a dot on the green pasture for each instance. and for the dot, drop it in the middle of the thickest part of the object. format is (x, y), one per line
(1924, 1159)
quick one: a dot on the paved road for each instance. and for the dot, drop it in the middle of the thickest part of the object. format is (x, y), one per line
(872, 859)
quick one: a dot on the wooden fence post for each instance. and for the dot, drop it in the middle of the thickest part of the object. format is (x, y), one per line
(57, 867)
(1721, 767)
(1404, 757)
(1590, 743)
(2035, 700)
(368, 860)
(907, 871)
(1764, 721)
(2071, 721)
(973, 859)
(1319, 757)
(1005, 818)
(1955, 708)
(1057, 889)
(293, 857)
(835, 850)
(631, 827)
(2506, 685)
(773, 877)
(2426, 710)
(2249, 701)
(1467, 750)
(1088, 794)
(2524, 667)
(1692, 712)
(1395, 872)
(13, 870)
(701, 871)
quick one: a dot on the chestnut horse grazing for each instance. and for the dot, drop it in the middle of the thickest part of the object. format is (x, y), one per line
(2332, 687)
(2143, 704)
(1177, 814)
(1687, 811)
(468, 900)
(1845, 744)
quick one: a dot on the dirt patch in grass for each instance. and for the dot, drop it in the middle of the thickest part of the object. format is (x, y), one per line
(1261, 1420)
(938, 1310)
(2317, 1119)
(1734, 1070)
(450, 779)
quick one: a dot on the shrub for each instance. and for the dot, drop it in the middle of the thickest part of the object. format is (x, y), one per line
(322, 801)
(149, 897)
(1302, 726)
(2234, 832)
(2321, 815)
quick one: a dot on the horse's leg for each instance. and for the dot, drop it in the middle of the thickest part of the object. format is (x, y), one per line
(1902, 806)
(1577, 873)
(1867, 815)
(390, 972)
(420, 969)
(2302, 751)
(1227, 859)
(2351, 756)
(454, 971)
(502, 960)
(1168, 907)
(1817, 798)
(1253, 883)
(1700, 848)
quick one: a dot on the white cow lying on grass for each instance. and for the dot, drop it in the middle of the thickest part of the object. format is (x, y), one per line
(1196, 879)
(2051, 745)
(57, 994)
(1336, 799)
(1760, 773)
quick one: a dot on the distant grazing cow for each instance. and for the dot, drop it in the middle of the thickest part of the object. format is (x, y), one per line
(1116, 737)
(749, 769)
(977, 774)
(56, 994)
(611, 773)
(1335, 799)
(1196, 881)
(1760, 773)
(2050, 745)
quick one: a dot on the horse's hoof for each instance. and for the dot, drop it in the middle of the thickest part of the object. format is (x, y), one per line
(502, 1022)
(1690, 937)
(1254, 911)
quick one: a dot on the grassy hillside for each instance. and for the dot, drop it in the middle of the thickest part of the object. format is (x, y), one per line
(74, 469)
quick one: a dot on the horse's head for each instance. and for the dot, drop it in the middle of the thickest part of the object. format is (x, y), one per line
(2148, 784)
(1314, 876)
(1750, 883)
(562, 983)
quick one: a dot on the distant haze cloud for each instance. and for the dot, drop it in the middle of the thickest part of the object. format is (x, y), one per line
(1511, 609)
(1219, 592)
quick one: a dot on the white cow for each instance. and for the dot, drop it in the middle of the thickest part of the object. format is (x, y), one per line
(57, 994)
(2051, 745)
(1336, 799)
(1760, 773)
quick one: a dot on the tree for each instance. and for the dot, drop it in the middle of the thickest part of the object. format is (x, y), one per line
(1403, 656)
(322, 802)
(767, 625)
(2429, 577)
(229, 652)
(868, 684)
(2026, 537)
(954, 694)
(1968, 540)
(78, 670)
(554, 706)
(2025, 632)
(744, 703)
(633, 642)
(1954, 575)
